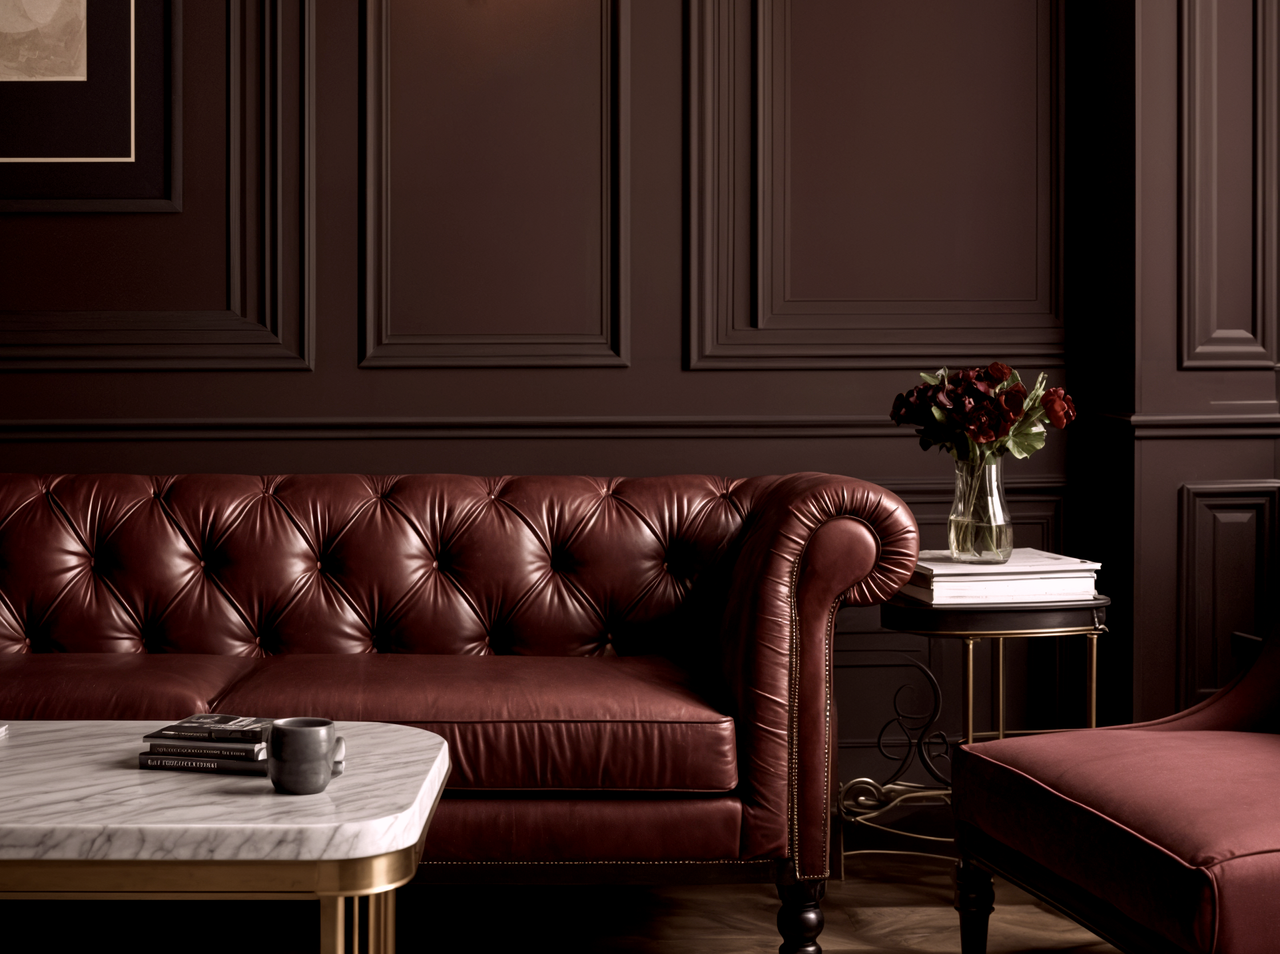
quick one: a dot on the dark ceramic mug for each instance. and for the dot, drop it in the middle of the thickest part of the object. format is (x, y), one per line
(303, 754)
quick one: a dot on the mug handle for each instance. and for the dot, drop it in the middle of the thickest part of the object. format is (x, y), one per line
(339, 756)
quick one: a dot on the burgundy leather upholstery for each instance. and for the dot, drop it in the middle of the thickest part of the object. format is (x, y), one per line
(708, 604)
(545, 722)
(495, 831)
(1170, 823)
(116, 686)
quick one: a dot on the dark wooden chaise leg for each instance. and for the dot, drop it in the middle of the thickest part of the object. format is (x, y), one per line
(975, 900)
(800, 917)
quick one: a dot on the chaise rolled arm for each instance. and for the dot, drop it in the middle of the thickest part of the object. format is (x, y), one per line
(812, 543)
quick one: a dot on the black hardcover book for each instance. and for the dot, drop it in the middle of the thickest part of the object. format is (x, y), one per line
(206, 748)
(178, 763)
(212, 725)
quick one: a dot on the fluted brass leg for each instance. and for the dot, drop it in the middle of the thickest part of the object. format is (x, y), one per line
(333, 927)
(381, 923)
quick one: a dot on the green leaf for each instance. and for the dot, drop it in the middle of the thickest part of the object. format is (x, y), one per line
(938, 413)
(929, 378)
(1023, 442)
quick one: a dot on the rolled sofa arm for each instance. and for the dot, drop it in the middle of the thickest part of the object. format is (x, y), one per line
(811, 543)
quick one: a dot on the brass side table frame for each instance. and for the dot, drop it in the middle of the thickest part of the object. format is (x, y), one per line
(1001, 621)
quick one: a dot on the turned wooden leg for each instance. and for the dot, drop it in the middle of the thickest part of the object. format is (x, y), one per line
(975, 900)
(800, 917)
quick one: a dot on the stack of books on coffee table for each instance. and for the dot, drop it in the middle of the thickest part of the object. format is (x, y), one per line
(1030, 576)
(209, 742)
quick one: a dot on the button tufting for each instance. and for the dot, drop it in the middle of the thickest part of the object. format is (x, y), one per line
(202, 562)
(317, 564)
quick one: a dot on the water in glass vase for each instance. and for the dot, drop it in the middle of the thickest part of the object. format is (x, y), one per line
(979, 529)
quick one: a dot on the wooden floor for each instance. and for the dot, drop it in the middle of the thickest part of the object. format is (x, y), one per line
(885, 904)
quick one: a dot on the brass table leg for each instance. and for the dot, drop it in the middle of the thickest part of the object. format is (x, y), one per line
(999, 688)
(1091, 679)
(382, 923)
(968, 689)
(333, 926)
(346, 929)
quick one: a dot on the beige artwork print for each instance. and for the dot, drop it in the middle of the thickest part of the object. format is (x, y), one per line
(42, 40)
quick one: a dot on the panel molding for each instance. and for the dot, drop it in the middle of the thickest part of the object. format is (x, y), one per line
(482, 428)
(1218, 597)
(383, 347)
(268, 323)
(1185, 426)
(734, 321)
(1204, 343)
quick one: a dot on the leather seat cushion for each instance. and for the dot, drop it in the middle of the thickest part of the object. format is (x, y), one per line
(513, 830)
(1177, 829)
(113, 685)
(518, 722)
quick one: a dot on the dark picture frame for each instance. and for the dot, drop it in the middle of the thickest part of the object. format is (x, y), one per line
(133, 170)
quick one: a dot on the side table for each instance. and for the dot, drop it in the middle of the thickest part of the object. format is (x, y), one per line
(1001, 621)
(864, 801)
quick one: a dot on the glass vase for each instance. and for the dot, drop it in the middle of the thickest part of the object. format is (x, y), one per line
(979, 529)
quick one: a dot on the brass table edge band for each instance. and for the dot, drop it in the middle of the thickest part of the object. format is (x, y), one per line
(345, 877)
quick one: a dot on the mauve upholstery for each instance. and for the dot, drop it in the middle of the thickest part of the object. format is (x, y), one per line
(1172, 823)
(660, 645)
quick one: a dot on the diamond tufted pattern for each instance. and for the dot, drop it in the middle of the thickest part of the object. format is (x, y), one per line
(348, 564)
(168, 593)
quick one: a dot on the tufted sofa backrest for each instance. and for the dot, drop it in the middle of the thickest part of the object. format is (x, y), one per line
(336, 563)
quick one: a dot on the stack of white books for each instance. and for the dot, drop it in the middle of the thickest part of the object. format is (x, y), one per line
(1030, 576)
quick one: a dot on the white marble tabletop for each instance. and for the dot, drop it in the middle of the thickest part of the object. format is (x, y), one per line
(73, 790)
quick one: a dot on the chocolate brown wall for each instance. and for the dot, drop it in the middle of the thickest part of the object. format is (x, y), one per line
(647, 236)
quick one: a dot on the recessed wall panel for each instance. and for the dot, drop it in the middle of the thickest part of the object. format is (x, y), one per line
(905, 144)
(494, 182)
(873, 184)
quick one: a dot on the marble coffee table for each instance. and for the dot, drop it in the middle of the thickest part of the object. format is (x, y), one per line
(79, 819)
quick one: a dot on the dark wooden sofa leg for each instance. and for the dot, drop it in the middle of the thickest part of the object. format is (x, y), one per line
(800, 917)
(975, 900)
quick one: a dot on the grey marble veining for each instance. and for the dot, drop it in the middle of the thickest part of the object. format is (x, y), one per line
(73, 790)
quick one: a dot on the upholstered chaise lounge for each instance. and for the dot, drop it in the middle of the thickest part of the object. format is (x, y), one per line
(634, 676)
(1162, 837)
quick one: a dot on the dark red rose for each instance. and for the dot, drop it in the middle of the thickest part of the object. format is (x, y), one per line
(985, 424)
(913, 407)
(1059, 406)
(980, 415)
(1012, 402)
(997, 372)
(969, 378)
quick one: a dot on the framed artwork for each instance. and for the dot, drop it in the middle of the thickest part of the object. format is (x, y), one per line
(90, 105)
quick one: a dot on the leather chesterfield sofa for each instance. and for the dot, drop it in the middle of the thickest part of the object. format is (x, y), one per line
(634, 676)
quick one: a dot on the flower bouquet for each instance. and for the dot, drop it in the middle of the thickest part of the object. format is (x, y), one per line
(978, 415)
